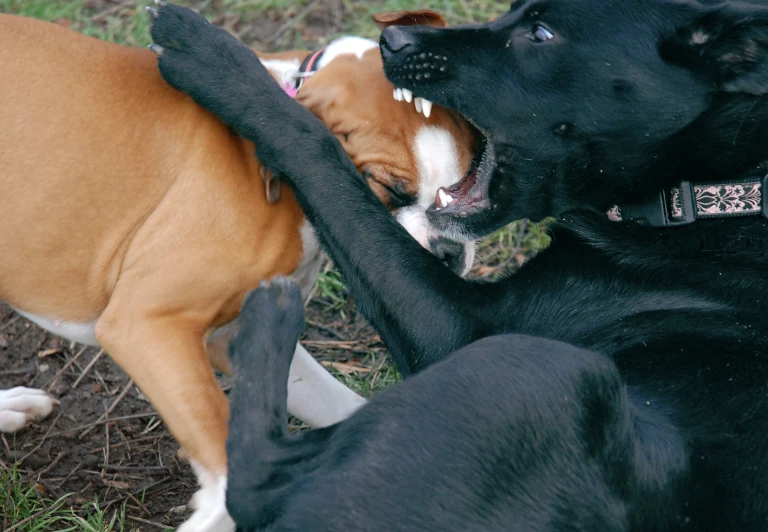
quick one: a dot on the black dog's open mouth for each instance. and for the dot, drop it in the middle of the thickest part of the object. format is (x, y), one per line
(425, 69)
(470, 194)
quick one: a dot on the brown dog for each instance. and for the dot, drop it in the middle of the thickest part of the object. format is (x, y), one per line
(134, 220)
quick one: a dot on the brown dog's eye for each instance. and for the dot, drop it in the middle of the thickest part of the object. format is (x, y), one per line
(392, 195)
(541, 34)
(398, 198)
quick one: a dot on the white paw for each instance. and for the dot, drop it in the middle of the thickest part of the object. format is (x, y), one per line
(209, 503)
(20, 406)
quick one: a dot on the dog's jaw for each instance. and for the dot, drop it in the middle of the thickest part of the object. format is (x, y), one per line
(438, 161)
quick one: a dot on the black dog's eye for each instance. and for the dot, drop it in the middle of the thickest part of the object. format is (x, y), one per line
(541, 34)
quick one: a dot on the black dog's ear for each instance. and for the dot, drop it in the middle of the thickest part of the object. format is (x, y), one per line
(728, 44)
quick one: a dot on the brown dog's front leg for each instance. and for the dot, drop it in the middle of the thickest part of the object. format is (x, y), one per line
(165, 357)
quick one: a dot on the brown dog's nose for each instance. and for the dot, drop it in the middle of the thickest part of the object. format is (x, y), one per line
(450, 253)
(394, 39)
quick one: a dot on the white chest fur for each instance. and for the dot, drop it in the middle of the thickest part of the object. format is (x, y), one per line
(311, 260)
(82, 333)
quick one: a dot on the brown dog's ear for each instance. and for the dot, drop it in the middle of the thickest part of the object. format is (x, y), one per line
(421, 17)
(727, 44)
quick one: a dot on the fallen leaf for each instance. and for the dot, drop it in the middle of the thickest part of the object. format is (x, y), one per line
(49, 352)
(117, 484)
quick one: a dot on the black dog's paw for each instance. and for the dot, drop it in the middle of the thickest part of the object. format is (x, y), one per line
(225, 77)
(186, 43)
(175, 27)
(204, 61)
(271, 321)
(278, 300)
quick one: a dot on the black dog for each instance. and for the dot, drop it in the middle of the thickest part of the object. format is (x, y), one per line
(415, 457)
(638, 399)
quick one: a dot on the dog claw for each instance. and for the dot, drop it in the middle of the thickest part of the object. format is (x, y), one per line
(156, 48)
(152, 11)
(160, 3)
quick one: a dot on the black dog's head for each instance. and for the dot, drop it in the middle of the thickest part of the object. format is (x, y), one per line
(586, 103)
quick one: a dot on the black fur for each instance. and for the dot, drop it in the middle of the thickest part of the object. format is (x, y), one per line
(626, 386)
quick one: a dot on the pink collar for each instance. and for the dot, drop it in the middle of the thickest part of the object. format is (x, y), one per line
(308, 67)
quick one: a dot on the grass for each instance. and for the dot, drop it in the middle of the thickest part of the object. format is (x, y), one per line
(27, 509)
(128, 25)
(381, 376)
(125, 22)
(330, 287)
(266, 25)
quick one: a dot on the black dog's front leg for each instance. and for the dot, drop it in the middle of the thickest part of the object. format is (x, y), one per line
(421, 309)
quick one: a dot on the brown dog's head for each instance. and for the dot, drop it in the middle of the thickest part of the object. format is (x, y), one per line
(406, 149)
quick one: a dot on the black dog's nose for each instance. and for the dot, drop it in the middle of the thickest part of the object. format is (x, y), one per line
(450, 252)
(395, 38)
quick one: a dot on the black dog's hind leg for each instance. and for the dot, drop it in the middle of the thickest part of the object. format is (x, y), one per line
(261, 455)
(395, 282)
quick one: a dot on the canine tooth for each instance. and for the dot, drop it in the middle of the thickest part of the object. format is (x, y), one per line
(427, 106)
(156, 48)
(152, 11)
(443, 198)
(419, 103)
(398, 95)
(408, 95)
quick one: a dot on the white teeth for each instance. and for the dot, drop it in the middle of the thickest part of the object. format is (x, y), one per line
(427, 106)
(443, 199)
(422, 106)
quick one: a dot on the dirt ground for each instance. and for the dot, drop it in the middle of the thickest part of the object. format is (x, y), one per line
(104, 440)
